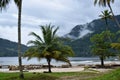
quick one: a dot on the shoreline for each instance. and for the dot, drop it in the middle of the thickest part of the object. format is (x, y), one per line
(74, 61)
(71, 69)
(63, 68)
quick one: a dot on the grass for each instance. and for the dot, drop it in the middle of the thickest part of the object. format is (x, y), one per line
(28, 76)
(112, 75)
(45, 76)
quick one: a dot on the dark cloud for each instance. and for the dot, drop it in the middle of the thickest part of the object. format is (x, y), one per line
(63, 13)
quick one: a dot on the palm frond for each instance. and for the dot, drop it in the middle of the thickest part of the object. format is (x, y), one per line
(54, 32)
(95, 2)
(36, 36)
(4, 4)
(17, 2)
(33, 52)
(34, 43)
(103, 3)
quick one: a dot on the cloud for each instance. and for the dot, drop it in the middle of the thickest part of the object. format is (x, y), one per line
(11, 33)
(63, 13)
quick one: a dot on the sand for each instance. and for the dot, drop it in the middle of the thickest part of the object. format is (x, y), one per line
(71, 69)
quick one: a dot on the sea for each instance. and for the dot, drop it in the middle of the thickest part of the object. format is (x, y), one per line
(74, 61)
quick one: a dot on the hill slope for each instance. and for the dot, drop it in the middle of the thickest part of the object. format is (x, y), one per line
(9, 48)
(81, 35)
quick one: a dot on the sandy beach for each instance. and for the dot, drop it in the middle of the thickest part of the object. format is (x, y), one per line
(74, 68)
(71, 69)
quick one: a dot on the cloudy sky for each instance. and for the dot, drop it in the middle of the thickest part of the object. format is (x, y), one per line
(63, 13)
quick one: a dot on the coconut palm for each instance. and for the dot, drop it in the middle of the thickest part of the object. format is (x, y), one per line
(105, 3)
(48, 47)
(3, 5)
(106, 15)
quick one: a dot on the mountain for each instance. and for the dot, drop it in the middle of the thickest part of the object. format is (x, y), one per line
(9, 48)
(81, 34)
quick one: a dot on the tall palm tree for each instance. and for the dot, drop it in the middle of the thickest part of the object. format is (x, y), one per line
(48, 47)
(106, 15)
(3, 5)
(105, 3)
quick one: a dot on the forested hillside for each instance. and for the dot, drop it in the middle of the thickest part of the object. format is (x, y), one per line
(9, 48)
(81, 34)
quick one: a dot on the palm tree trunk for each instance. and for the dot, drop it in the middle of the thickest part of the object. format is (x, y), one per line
(19, 40)
(113, 15)
(49, 65)
(106, 24)
(107, 28)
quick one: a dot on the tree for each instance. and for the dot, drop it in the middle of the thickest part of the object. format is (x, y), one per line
(116, 45)
(102, 46)
(106, 15)
(105, 3)
(3, 5)
(48, 47)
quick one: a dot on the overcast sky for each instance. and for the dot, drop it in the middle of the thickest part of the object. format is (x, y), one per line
(63, 13)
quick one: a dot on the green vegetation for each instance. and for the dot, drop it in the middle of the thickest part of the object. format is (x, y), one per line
(28, 76)
(9, 48)
(102, 45)
(49, 76)
(106, 15)
(111, 75)
(116, 45)
(81, 46)
(48, 47)
(105, 3)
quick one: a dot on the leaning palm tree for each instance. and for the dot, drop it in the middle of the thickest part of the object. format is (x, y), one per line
(105, 3)
(48, 47)
(3, 5)
(106, 15)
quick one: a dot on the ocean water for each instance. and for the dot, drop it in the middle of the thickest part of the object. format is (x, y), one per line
(73, 60)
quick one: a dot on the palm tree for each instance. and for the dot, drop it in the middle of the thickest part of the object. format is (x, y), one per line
(48, 47)
(3, 5)
(106, 15)
(104, 3)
